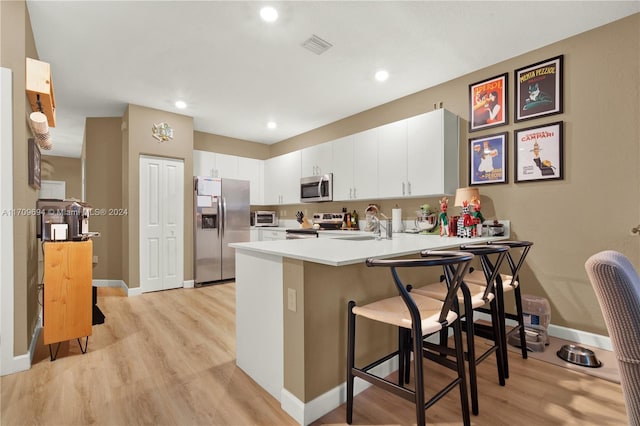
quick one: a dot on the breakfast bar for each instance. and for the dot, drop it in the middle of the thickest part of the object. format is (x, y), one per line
(291, 310)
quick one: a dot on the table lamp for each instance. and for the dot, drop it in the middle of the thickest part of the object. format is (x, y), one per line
(465, 194)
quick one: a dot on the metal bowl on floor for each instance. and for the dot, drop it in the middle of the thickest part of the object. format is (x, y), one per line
(580, 356)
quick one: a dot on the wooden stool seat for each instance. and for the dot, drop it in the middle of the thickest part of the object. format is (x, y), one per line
(477, 277)
(394, 311)
(439, 291)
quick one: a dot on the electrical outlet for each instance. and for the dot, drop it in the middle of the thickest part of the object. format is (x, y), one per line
(291, 299)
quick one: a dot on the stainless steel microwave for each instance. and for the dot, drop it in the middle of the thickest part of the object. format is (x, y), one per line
(265, 218)
(316, 188)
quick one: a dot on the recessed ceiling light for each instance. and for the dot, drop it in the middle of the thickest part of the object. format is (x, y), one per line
(181, 104)
(268, 14)
(272, 125)
(382, 75)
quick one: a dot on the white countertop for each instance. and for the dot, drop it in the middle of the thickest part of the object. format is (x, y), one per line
(341, 251)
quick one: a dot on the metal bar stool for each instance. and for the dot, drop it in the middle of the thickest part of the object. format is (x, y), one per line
(516, 255)
(473, 296)
(421, 316)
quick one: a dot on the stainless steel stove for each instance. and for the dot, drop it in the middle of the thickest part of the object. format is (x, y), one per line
(328, 220)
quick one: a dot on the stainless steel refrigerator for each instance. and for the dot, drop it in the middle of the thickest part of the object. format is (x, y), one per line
(221, 213)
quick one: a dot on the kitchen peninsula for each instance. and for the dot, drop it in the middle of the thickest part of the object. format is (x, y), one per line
(291, 310)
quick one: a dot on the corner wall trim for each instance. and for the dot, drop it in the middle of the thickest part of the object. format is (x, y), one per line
(189, 284)
(135, 291)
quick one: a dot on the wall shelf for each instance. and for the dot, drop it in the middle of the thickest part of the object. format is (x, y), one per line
(40, 89)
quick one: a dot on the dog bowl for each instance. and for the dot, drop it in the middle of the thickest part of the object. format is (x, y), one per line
(579, 356)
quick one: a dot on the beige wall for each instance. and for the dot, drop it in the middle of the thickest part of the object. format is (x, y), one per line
(139, 121)
(64, 169)
(231, 146)
(103, 177)
(17, 43)
(568, 220)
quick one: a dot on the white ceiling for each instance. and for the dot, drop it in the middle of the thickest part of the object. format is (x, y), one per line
(237, 72)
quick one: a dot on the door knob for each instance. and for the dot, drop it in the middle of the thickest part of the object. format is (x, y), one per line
(636, 229)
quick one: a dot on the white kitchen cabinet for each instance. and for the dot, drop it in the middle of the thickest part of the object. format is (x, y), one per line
(212, 164)
(204, 163)
(282, 179)
(355, 165)
(226, 166)
(343, 152)
(267, 234)
(392, 160)
(254, 235)
(317, 160)
(433, 159)
(365, 165)
(252, 169)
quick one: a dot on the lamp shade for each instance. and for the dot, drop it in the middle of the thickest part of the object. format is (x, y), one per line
(466, 194)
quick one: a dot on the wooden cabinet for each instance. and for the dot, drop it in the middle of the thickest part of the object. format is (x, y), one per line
(282, 179)
(67, 299)
(317, 160)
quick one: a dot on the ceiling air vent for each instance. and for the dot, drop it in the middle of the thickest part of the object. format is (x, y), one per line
(316, 44)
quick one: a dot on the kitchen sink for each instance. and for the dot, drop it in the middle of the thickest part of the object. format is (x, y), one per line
(358, 238)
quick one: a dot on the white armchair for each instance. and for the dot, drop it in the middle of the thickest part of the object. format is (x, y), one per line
(617, 287)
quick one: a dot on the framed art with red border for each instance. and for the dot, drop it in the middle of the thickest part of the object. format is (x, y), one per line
(488, 103)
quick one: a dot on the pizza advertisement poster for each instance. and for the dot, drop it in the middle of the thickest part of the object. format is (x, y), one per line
(538, 89)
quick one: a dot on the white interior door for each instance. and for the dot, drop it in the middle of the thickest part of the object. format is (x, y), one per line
(161, 223)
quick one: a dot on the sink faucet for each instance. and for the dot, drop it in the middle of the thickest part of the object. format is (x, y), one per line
(376, 227)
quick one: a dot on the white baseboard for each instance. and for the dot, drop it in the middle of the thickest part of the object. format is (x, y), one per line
(189, 284)
(573, 335)
(118, 284)
(109, 283)
(306, 413)
(22, 362)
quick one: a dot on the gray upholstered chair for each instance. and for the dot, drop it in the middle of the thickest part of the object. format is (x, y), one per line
(617, 287)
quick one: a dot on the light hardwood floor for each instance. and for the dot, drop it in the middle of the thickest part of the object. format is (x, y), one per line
(167, 358)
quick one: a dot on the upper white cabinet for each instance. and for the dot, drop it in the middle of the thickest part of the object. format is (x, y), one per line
(392, 160)
(355, 166)
(204, 163)
(343, 153)
(317, 160)
(365, 165)
(252, 169)
(433, 153)
(418, 156)
(207, 163)
(282, 179)
(212, 164)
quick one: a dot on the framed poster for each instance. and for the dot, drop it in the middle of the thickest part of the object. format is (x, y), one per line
(34, 164)
(488, 103)
(488, 159)
(539, 153)
(539, 89)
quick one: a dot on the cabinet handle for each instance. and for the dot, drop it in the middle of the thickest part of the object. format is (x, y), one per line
(354, 194)
(402, 188)
(409, 188)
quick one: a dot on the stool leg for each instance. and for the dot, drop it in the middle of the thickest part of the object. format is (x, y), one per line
(497, 340)
(351, 341)
(419, 375)
(503, 330)
(523, 338)
(471, 358)
(464, 397)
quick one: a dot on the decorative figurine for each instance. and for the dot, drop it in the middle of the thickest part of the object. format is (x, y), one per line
(465, 222)
(444, 220)
(476, 208)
